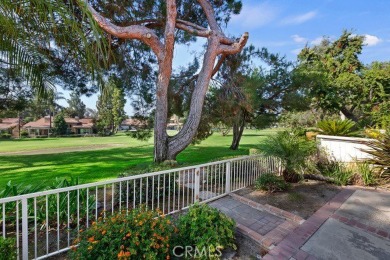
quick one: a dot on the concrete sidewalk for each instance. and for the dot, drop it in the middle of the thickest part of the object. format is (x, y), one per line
(355, 224)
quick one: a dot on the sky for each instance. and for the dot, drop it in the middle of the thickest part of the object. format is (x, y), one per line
(286, 26)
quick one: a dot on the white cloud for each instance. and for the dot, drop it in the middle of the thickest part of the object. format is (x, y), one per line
(298, 39)
(317, 40)
(255, 16)
(296, 51)
(298, 19)
(371, 40)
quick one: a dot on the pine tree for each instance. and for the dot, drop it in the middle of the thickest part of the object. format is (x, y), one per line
(76, 106)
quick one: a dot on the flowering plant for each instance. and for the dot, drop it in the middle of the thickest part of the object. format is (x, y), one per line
(137, 234)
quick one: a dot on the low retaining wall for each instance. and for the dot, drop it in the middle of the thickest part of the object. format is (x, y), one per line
(342, 149)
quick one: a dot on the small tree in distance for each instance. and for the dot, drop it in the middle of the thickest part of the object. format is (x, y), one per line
(60, 126)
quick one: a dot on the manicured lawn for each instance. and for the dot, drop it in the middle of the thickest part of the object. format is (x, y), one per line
(97, 165)
(31, 144)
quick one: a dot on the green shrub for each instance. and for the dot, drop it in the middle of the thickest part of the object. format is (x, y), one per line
(337, 127)
(6, 136)
(24, 134)
(140, 234)
(205, 228)
(271, 183)
(7, 248)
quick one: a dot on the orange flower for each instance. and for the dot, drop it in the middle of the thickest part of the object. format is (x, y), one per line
(128, 234)
(127, 254)
(91, 239)
(104, 232)
(121, 253)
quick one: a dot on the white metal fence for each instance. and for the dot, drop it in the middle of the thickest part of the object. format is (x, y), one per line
(46, 223)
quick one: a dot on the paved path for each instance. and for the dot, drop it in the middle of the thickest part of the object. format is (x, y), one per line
(264, 224)
(355, 224)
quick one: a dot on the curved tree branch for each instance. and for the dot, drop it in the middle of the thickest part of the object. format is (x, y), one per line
(235, 47)
(137, 32)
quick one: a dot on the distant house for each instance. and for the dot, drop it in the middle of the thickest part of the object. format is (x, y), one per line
(174, 123)
(132, 124)
(77, 126)
(10, 126)
(80, 126)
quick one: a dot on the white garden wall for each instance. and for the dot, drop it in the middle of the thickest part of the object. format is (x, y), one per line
(342, 149)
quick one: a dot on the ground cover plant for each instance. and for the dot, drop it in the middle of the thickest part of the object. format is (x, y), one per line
(95, 165)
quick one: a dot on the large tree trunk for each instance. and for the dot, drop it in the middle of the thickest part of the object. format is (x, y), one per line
(238, 130)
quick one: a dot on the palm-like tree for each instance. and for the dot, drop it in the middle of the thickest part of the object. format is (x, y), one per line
(38, 38)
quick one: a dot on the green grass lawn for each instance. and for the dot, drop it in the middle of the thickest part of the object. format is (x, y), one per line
(96, 165)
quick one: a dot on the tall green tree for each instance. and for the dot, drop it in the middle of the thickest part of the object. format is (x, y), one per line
(110, 106)
(333, 74)
(256, 96)
(118, 105)
(105, 119)
(76, 107)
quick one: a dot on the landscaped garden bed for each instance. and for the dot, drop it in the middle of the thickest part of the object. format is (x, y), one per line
(302, 199)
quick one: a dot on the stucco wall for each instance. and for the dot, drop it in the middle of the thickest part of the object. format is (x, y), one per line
(342, 149)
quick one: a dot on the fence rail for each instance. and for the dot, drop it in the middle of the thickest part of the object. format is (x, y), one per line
(46, 223)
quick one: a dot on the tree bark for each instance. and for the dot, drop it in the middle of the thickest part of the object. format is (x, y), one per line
(348, 114)
(238, 130)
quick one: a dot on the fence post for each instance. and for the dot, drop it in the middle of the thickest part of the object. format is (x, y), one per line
(227, 182)
(197, 184)
(24, 229)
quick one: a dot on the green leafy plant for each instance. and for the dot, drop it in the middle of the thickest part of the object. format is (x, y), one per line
(271, 183)
(138, 234)
(340, 174)
(75, 201)
(205, 228)
(24, 133)
(337, 127)
(7, 249)
(291, 149)
(5, 136)
(366, 173)
(380, 151)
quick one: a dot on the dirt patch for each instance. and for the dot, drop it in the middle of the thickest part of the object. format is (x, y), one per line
(303, 199)
(64, 149)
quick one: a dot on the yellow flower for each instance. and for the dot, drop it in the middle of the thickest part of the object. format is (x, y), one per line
(90, 248)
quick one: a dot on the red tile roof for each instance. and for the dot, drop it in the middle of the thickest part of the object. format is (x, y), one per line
(7, 123)
(77, 123)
